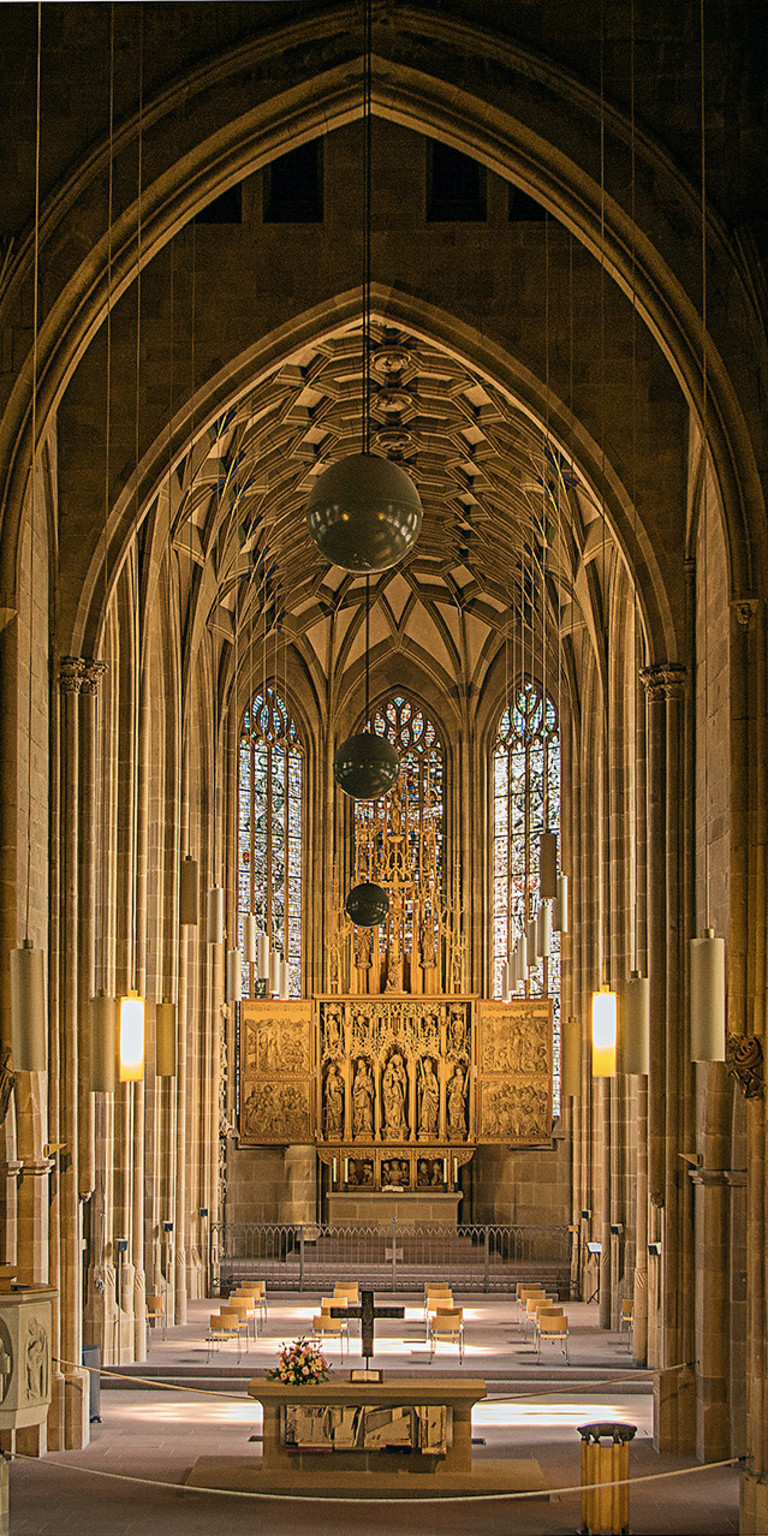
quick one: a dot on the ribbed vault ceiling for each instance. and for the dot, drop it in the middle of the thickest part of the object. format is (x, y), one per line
(505, 517)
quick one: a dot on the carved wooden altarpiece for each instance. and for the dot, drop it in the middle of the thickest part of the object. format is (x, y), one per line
(396, 1092)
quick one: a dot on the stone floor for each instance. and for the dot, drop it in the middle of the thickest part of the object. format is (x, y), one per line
(154, 1434)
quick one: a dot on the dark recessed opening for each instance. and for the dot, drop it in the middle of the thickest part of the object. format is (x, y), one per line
(226, 209)
(455, 185)
(524, 209)
(293, 186)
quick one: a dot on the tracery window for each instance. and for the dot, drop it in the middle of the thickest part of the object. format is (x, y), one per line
(416, 738)
(526, 801)
(269, 830)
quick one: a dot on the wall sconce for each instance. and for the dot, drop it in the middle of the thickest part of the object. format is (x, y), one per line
(167, 1226)
(654, 1250)
(203, 1211)
(586, 1215)
(617, 1227)
(121, 1244)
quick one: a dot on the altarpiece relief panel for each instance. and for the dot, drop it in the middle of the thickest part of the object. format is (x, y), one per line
(277, 1095)
(515, 1072)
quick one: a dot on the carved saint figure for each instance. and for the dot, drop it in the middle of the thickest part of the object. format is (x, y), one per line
(334, 1102)
(429, 1096)
(37, 1360)
(393, 1090)
(362, 1100)
(457, 1104)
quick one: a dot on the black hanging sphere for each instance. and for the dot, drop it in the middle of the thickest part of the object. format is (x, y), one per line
(367, 905)
(366, 766)
(364, 513)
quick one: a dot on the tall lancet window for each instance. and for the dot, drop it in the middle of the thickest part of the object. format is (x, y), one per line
(269, 829)
(526, 798)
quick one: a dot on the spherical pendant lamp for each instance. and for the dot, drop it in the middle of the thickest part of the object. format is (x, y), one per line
(367, 905)
(364, 513)
(365, 766)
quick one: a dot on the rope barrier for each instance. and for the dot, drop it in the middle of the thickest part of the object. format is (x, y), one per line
(238, 1397)
(437, 1498)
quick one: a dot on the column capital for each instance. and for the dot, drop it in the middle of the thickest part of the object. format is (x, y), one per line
(664, 680)
(71, 672)
(93, 671)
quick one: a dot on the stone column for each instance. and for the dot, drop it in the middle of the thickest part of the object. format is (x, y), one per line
(640, 1308)
(748, 1008)
(669, 1082)
(76, 1418)
(712, 1419)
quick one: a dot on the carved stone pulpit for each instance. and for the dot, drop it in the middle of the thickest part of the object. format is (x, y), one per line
(26, 1328)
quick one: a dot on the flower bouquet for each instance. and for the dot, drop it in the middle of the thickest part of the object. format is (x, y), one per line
(300, 1365)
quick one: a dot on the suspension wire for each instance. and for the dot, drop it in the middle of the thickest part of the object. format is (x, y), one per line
(137, 552)
(367, 146)
(33, 459)
(606, 776)
(633, 471)
(705, 457)
(104, 815)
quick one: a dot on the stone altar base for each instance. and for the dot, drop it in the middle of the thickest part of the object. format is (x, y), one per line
(312, 1474)
(321, 1467)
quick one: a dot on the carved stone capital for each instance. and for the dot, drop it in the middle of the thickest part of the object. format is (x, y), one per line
(71, 673)
(657, 1199)
(745, 1063)
(92, 672)
(664, 680)
(744, 610)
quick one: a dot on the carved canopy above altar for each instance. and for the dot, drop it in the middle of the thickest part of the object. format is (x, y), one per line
(396, 1091)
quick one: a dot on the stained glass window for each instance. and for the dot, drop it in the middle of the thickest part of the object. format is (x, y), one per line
(416, 738)
(269, 830)
(526, 802)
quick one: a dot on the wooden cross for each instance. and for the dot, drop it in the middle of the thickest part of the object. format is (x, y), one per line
(367, 1314)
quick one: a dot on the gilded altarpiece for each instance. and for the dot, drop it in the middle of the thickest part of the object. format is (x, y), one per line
(515, 1072)
(276, 1073)
(396, 1093)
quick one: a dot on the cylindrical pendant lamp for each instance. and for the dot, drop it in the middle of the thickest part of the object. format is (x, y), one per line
(548, 866)
(570, 1083)
(29, 1013)
(604, 1033)
(234, 975)
(522, 958)
(262, 957)
(165, 1040)
(708, 997)
(103, 1043)
(215, 924)
(188, 894)
(273, 984)
(506, 980)
(544, 930)
(284, 975)
(560, 908)
(131, 1038)
(250, 934)
(636, 1025)
(531, 945)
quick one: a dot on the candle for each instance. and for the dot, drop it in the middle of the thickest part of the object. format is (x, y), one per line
(334, 1170)
(445, 1170)
(346, 1170)
(455, 1169)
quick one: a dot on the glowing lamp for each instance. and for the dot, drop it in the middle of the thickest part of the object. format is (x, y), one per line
(604, 1033)
(131, 1038)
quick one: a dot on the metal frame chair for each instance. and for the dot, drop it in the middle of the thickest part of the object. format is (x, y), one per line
(447, 1324)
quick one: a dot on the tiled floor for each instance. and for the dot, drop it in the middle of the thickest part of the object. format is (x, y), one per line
(156, 1435)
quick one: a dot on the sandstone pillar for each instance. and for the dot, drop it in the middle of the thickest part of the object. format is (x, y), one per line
(669, 1085)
